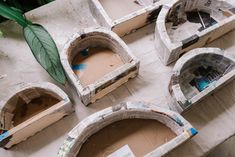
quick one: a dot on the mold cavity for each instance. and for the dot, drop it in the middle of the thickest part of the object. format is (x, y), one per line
(95, 56)
(142, 136)
(201, 17)
(202, 71)
(25, 111)
(93, 63)
(116, 9)
(187, 19)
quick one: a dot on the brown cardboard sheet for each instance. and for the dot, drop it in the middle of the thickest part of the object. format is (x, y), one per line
(142, 136)
(26, 111)
(95, 64)
(119, 8)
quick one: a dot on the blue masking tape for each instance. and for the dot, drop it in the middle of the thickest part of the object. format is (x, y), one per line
(202, 84)
(193, 131)
(4, 135)
(177, 120)
(79, 67)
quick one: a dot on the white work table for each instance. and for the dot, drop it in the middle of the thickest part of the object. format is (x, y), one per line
(214, 117)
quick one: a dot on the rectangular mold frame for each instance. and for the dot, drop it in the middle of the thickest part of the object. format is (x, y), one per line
(126, 24)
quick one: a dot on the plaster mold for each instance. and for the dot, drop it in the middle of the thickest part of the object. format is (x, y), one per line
(136, 110)
(97, 61)
(29, 109)
(199, 73)
(125, 16)
(187, 24)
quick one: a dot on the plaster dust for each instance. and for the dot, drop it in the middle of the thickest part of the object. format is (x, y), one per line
(142, 136)
(97, 63)
(119, 8)
(25, 111)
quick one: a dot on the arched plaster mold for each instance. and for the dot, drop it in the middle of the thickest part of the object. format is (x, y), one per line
(128, 110)
(187, 24)
(93, 37)
(26, 92)
(199, 73)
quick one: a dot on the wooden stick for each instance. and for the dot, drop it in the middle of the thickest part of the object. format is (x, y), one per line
(203, 24)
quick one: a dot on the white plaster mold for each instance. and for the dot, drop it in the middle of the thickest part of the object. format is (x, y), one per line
(187, 24)
(92, 38)
(26, 93)
(198, 74)
(128, 110)
(126, 16)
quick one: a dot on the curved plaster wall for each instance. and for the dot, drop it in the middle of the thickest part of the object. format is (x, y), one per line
(86, 48)
(33, 106)
(187, 24)
(128, 110)
(199, 73)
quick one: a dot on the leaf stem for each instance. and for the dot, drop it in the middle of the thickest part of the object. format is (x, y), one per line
(12, 14)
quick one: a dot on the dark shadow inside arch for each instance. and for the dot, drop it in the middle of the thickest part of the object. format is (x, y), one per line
(201, 17)
(202, 71)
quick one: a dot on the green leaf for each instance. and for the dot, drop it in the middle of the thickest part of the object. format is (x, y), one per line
(18, 10)
(12, 14)
(1, 34)
(45, 51)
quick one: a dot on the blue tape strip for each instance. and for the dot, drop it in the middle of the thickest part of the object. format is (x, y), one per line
(4, 135)
(79, 67)
(178, 120)
(193, 131)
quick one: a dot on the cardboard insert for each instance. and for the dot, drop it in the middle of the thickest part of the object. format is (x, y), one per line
(95, 64)
(131, 124)
(199, 73)
(142, 136)
(97, 61)
(29, 109)
(125, 16)
(25, 111)
(185, 25)
(117, 9)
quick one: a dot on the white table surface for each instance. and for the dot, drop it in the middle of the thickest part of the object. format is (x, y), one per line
(213, 117)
